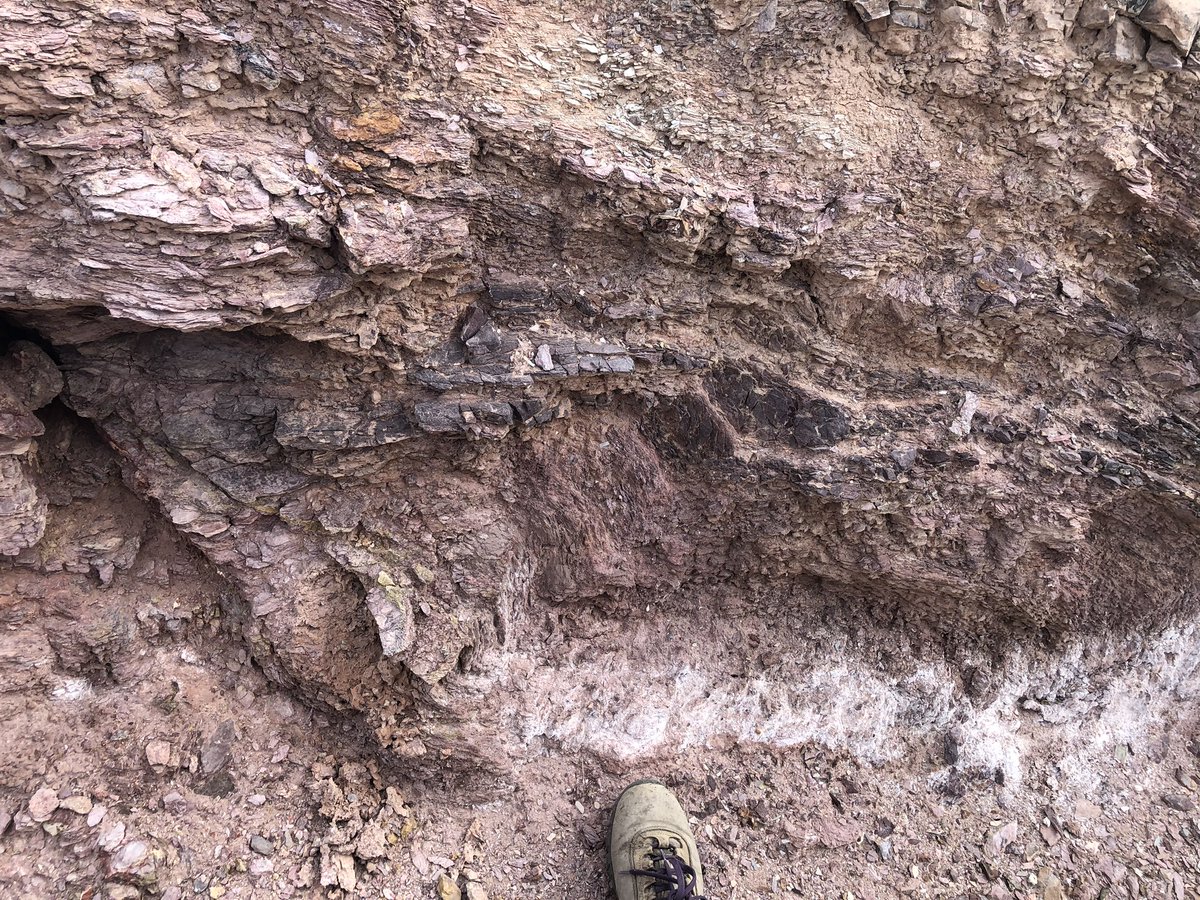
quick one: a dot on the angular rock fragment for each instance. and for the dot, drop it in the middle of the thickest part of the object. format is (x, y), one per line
(875, 15)
(391, 607)
(111, 835)
(330, 426)
(22, 508)
(395, 235)
(911, 15)
(1164, 55)
(965, 17)
(1176, 21)
(42, 804)
(29, 376)
(775, 410)
(1124, 42)
(1096, 14)
(77, 804)
(217, 750)
(29, 380)
(337, 870)
(459, 417)
(158, 753)
(448, 889)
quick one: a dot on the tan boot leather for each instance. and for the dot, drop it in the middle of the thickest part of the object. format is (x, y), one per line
(652, 853)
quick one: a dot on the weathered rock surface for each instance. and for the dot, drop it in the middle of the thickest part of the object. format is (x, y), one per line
(450, 333)
(28, 381)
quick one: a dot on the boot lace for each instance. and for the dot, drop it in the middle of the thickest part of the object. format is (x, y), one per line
(670, 877)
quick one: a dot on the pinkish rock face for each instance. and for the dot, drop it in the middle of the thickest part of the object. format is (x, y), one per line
(718, 375)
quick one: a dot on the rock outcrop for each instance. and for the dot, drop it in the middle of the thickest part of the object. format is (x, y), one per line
(28, 381)
(443, 330)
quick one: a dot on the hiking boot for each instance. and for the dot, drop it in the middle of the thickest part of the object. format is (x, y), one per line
(651, 852)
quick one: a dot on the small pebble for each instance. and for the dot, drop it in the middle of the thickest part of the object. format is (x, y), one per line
(79, 805)
(158, 753)
(174, 800)
(1179, 802)
(42, 804)
(261, 845)
(447, 889)
(111, 835)
(261, 866)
